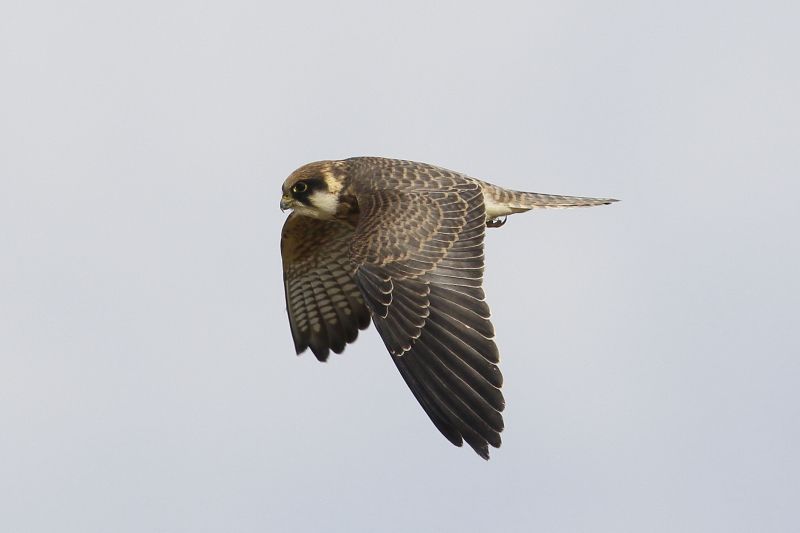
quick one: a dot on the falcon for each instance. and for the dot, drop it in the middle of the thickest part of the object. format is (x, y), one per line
(400, 244)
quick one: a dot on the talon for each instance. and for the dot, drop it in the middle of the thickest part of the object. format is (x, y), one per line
(496, 222)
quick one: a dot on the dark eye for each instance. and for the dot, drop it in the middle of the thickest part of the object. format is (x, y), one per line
(300, 187)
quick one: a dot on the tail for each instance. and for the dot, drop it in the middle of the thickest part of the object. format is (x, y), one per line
(501, 201)
(533, 200)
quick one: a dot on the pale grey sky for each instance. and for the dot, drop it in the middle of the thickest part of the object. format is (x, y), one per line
(147, 377)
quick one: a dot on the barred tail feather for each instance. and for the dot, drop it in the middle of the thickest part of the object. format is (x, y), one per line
(533, 200)
(501, 202)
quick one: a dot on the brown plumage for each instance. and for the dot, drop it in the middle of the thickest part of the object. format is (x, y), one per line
(402, 243)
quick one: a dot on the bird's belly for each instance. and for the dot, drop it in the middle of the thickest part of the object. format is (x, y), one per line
(494, 209)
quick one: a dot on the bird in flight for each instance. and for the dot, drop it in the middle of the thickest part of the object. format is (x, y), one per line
(400, 243)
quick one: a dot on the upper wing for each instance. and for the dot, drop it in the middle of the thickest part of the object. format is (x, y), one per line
(325, 307)
(419, 257)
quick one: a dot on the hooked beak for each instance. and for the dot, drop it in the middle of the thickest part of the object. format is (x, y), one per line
(286, 203)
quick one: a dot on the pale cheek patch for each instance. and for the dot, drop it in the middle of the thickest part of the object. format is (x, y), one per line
(325, 202)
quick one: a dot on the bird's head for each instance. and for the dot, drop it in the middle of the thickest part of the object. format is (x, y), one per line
(313, 189)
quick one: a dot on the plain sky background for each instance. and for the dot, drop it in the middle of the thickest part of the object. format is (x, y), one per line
(147, 376)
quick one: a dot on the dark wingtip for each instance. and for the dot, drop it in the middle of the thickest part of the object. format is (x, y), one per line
(300, 348)
(482, 451)
(321, 353)
(364, 320)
